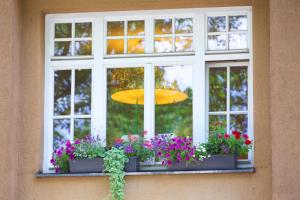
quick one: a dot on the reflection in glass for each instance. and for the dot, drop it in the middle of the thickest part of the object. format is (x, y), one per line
(217, 89)
(82, 98)
(217, 123)
(82, 128)
(115, 28)
(216, 24)
(83, 48)
(184, 25)
(238, 88)
(183, 43)
(163, 26)
(216, 42)
(136, 28)
(239, 123)
(124, 118)
(238, 23)
(62, 92)
(174, 117)
(61, 132)
(62, 48)
(135, 45)
(63, 30)
(238, 41)
(83, 30)
(115, 46)
(163, 44)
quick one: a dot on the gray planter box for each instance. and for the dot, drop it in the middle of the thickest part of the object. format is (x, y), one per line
(132, 165)
(215, 162)
(86, 165)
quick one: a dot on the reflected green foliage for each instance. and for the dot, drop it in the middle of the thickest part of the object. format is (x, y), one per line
(238, 88)
(83, 30)
(216, 24)
(217, 89)
(82, 128)
(123, 119)
(62, 92)
(63, 30)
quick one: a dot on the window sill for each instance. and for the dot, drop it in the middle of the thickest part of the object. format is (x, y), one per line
(244, 170)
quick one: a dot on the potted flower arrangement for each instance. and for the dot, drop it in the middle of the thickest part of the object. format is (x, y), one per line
(88, 156)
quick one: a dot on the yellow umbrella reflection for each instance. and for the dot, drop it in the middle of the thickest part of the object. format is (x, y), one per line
(136, 96)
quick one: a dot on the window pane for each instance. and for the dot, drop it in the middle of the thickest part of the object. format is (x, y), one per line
(217, 89)
(217, 124)
(238, 41)
(115, 28)
(62, 92)
(136, 28)
(83, 48)
(238, 23)
(136, 45)
(163, 44)
(183, 43)
(174, 99)
(239, 123)
(216, 24)
(238, 88)
(61, 132)
(82, 97)
(184, 25)
(82, 128)
(62, 48)
(83, 30)
(115, 46)
(125, 103)
(216, 42)
(163, 26)
(63, 30)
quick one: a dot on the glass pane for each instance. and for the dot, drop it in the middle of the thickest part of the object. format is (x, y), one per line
(83, 30)
(239, 123)
(63, 30)
(217, 124)
(238, 41)
(115, 46)
(217, 89)
(174, 99)
(238, 88)
(184, 25)
(163, 44)
(136, 27)
(183, 43)
(125, 103)
(163, 26)
(83, 48)
(61, 132)
(136, 45)
(82, 99)
(238, 23)
(216, 42)
(216, 24)
(62, 48)
(82, 128)
(115, 28)
(62, 92)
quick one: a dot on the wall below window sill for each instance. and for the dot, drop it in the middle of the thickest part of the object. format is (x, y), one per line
(244, 170)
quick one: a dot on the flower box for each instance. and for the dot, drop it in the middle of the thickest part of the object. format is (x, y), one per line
(215, 162)
(86, 165)
(132, 165)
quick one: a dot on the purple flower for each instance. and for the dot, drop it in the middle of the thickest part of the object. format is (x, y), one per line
(77, 141)
(159, 153)
(129, 149)
(57, 170)
(168, 155)
(52, 161)
(169, 162)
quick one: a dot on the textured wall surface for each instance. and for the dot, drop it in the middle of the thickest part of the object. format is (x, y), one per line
(10, 48)
(285, 98)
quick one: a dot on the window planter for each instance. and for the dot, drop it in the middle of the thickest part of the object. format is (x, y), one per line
(86, 165)
(132, 165)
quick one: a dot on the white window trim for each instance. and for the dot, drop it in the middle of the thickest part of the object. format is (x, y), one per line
(99, 62)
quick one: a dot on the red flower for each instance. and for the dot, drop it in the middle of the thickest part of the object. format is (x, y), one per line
(219, 136)
(119, 141)
(226, 136)
(236, 133)
(248, 142)
(237, 136)
(245, 136)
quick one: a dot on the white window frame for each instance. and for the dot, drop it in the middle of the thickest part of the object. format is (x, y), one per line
(98, 62)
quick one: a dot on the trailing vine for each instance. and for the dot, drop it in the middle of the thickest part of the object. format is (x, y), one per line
(114, 162)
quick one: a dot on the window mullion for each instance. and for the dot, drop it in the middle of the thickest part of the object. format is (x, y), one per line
(149, 38)
(72, 104)
(228, 100)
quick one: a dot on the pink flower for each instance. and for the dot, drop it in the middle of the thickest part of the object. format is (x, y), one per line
(145, 133)
(77, 141)
(226, 136)
(245, 136)
(219, 136)
(169, 162)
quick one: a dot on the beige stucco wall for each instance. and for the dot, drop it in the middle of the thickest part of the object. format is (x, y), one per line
(285, 98)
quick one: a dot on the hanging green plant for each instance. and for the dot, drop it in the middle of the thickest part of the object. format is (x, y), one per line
(114, 162)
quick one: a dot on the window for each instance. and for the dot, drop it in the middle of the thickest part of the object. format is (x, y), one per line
(112, 74)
